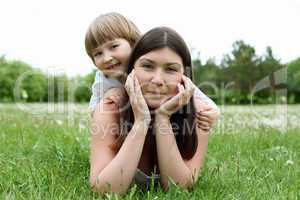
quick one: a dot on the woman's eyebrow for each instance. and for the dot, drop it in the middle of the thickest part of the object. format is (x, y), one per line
(146, 59)
(173, 63)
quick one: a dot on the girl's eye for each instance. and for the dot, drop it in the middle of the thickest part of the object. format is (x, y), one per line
(114, 46)
(98, 54)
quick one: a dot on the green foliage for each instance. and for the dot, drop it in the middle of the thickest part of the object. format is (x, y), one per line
(83, 90)
(47, 157)
(10, 71)
(20, 82)
(242, 77)
(293, 77)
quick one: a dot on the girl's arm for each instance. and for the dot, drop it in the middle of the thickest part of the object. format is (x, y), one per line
(204, 98)
(110, 171)
(100, 86)
(208, 112)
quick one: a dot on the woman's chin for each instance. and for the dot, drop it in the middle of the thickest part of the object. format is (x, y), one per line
(155, 103)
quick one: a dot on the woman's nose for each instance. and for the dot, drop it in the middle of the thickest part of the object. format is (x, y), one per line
(157, 78)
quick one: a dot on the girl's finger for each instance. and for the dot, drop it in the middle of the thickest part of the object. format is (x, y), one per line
(206, 108)
(203, 128)
(202, 114)
(203, 123)
(205, 119)
(206, 112)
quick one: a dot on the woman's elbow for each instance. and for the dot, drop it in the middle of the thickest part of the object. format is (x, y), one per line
(187, 183)
(103, 188)
(92, 183)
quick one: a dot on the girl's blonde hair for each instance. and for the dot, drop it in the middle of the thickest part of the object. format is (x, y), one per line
(108, 27)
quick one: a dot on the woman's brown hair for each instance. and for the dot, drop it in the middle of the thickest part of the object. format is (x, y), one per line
(184, 118)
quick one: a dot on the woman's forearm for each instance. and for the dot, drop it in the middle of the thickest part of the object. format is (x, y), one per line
(117, 175)
(171, 164)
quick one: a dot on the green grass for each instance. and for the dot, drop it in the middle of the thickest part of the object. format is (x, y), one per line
(253, 153)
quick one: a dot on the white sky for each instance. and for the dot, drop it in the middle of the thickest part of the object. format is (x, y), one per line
(51, 33)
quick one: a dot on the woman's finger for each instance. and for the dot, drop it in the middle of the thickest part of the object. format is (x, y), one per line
(128, 84)
(188, 85)
(180, 88)
(134, 84)
(180, 97)
(189, 89)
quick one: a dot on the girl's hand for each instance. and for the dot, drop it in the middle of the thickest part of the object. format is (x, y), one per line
(117, 96)
(179, 100)
(139, 106)
(206, 117)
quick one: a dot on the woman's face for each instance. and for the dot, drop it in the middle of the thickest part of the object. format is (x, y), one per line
(158, 73)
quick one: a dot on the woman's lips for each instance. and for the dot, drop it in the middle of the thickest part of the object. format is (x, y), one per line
(155, 94)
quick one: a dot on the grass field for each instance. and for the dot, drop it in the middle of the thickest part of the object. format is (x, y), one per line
(253, 153)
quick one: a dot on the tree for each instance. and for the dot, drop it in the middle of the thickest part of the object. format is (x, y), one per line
(83, 92)
(240, 67)
(10, 71)
(293, 80)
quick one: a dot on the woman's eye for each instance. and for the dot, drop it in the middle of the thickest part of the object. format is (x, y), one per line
(171, 69)
(146, 66)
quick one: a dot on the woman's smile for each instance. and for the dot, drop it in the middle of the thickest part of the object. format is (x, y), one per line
(158, 73)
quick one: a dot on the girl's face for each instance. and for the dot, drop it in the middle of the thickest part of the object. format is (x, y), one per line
(158, 73)
(112, 56)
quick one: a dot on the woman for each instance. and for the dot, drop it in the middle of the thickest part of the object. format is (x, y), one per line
(157, 133)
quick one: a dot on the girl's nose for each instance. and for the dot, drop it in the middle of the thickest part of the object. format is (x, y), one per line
(107, 57)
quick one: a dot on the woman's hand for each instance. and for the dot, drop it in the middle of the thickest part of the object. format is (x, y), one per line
(179, 100)
(139, 106)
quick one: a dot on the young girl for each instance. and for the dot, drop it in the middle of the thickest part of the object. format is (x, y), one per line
(161, 95)
(109, 41)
